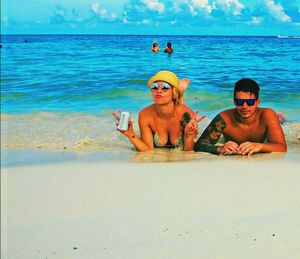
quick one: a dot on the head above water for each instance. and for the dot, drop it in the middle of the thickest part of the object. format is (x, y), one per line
(169, 45)
(155, 44)
(170, 78)
(246, 85)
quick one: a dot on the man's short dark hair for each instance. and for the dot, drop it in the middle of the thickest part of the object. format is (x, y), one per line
(246, 85)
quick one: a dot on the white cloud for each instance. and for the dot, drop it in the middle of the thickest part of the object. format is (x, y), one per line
(102, 12)
(176, 7)
(146, 21)
(61, 12)
(95, 7)
(124, 20)
(155, 5)
(276, 10)
(60, 15)
(206, 12)
(192, 10)
(256, 20)
(233, 6)
(203, 4)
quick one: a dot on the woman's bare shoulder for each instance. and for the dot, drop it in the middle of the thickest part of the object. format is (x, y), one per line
(147, 110)
(183, 108)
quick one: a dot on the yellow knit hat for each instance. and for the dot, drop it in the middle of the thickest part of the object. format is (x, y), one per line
(165, 76)
(170, 78)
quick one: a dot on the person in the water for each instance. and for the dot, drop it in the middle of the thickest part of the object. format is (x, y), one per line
(167, 122)
(247, 129)
(169, 49)
(155, 47)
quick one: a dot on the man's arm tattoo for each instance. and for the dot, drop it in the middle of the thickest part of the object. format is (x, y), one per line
(210, 136)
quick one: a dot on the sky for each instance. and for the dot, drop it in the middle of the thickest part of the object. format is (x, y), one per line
(151, 17)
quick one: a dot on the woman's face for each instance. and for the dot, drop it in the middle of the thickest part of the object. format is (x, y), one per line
(162, 92)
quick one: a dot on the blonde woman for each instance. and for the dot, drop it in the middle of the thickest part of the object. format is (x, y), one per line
(167, 122)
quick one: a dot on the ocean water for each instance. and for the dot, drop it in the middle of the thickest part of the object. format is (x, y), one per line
(58, 91)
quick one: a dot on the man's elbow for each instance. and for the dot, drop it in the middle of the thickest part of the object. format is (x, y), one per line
(283, 147)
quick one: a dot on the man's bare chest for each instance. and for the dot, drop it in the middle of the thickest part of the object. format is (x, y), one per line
(243, 133)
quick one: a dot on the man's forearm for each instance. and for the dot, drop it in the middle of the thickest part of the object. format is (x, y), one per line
(273, 147)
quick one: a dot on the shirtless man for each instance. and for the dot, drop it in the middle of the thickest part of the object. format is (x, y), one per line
(247, 129)
(169, 49)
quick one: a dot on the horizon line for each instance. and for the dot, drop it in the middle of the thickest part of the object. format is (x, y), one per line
(117, 34)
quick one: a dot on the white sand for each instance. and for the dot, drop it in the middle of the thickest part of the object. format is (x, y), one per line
(210, 207)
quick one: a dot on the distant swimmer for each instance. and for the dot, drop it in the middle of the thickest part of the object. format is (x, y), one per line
(169, 49)
(247, 129)
(155, 47)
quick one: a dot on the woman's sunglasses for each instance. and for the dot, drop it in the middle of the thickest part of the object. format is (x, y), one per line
(164, 86)
(240, 102)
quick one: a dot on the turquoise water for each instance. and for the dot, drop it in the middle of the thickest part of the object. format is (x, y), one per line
(52, 82)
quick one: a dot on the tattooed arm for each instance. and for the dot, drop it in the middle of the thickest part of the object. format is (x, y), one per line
(207, 141)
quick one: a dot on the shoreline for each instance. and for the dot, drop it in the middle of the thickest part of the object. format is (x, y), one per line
(16, 156)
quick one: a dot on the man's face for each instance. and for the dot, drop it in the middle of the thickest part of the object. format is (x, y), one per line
(244, 109)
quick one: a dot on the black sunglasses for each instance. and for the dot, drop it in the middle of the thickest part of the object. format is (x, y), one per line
(240, 102)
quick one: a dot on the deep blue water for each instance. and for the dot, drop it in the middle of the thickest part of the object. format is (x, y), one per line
(58, 91)
(94, 73)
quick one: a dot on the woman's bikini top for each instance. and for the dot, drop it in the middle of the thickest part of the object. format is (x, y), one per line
(156, 141)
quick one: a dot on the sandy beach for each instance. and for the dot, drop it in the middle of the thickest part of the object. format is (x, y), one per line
(57, 204)
(72, 186)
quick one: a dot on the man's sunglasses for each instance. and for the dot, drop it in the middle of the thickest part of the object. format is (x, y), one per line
(164, 86)
(240, 102)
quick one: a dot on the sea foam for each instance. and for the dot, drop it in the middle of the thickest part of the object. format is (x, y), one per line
(78, 131)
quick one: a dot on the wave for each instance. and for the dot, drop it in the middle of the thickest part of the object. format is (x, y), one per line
(288, 37)
(76, 131)
(14, 96)
(80, 94)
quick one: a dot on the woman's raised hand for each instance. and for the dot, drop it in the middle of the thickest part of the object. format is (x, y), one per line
(129, 131)
(192, 127)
